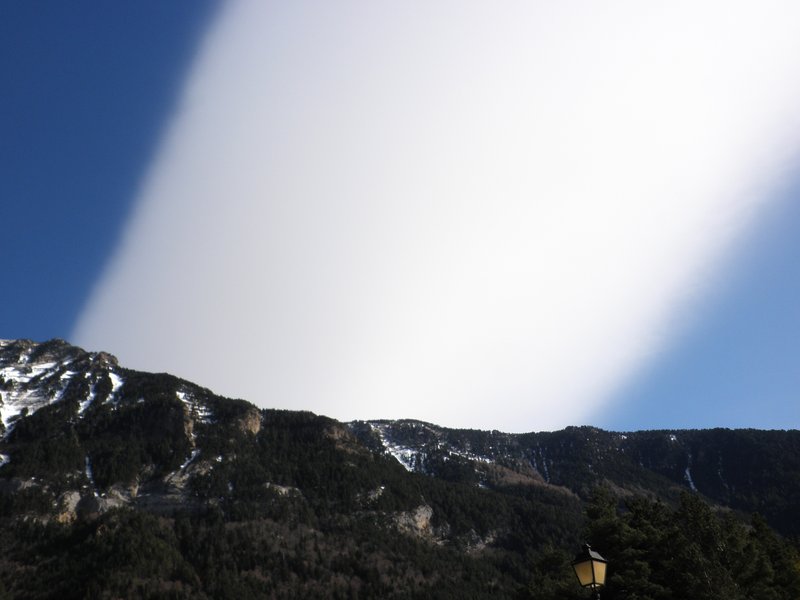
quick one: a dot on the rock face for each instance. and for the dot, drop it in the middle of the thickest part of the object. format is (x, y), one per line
(251, 421)
(33, 376)
(68, 506)
(79, 435)
(416, 522)
(85, 435)
(731, 467)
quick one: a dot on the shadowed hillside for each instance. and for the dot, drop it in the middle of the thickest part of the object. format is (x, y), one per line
(117, 483)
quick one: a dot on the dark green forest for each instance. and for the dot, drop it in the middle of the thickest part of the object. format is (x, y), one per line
(655, 552)
(243, 539)
(161, 489)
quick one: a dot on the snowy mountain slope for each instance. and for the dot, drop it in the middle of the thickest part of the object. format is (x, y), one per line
(35, 375)
(112, 436)
(126, 484)
(748, 470)
(85, 434)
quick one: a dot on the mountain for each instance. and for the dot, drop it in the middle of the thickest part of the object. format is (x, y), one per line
(118, 483)
(747, 470)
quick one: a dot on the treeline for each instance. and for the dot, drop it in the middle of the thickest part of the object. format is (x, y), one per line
(131, 554)
(655, 552)
(294, 505)
(690, 552)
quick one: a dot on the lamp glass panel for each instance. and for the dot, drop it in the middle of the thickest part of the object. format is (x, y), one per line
(584, 572)
(599, 572)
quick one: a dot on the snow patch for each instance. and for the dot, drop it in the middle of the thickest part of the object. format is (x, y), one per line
(64, 380)
(24, 395)
(687, 474)
(405, 455)
(470, 456)
(411, 457)
(545, 470)
(27, 372)
(30, 384)
(4, 459)
(86, 403)
(719, 474)
(201, 413)
(116, 382)
(195, 454)
(90, 474)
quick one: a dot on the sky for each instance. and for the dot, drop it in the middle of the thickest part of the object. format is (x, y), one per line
(515, 216)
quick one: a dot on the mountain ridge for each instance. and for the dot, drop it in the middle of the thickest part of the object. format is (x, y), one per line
(86, 443)
(55, 375)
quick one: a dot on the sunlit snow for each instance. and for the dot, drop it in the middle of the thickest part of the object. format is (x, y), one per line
(688, 475)
(90, 474)
(201, 413)
(195, 454)
(17, 398)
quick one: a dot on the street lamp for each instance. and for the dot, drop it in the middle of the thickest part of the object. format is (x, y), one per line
(590, 568)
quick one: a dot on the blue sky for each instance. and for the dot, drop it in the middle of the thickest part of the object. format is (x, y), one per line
(341, 198)
(87, 87)
(734, 364)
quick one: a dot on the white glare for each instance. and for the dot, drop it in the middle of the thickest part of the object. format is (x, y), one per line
(481, 214)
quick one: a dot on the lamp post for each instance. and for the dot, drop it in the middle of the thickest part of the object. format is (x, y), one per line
(590, 568)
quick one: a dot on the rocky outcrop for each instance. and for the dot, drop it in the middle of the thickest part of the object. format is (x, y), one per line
(416, 522)
(251, 421)
(67, 510)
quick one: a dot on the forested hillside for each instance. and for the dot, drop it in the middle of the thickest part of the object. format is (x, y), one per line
(121, 484)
